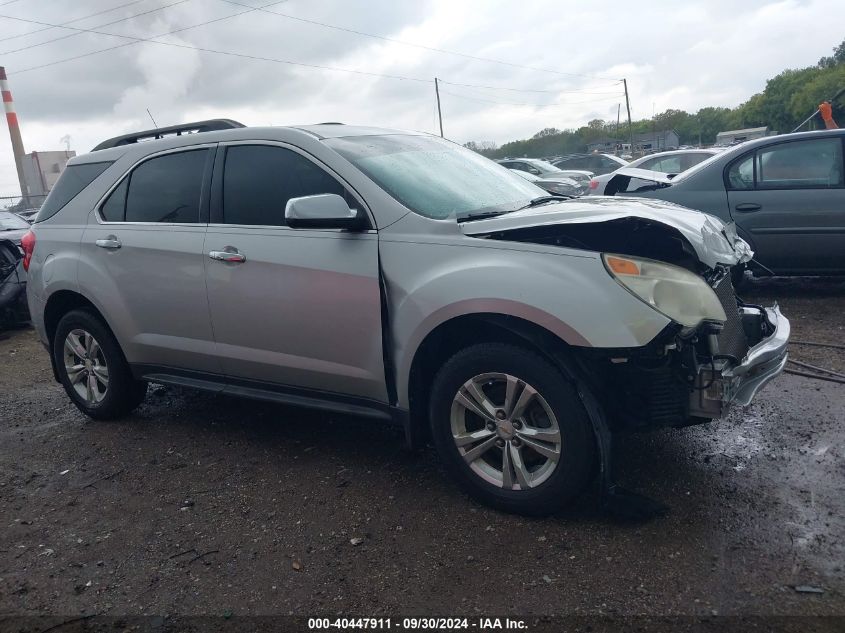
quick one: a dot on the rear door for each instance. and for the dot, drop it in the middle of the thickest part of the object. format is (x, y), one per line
(303, 307)
(789, 197)
(142, 261)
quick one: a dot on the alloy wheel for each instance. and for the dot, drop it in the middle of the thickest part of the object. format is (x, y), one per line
(505, 431)
(86, 366)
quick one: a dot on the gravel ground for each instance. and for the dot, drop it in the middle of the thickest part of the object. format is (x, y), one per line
(202, 504)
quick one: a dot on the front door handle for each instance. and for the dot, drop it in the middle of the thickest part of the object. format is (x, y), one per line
(228, 254)
(110, 242)
(747, 207)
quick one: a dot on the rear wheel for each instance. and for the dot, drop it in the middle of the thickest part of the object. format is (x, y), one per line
(92, 368)
(511, 429)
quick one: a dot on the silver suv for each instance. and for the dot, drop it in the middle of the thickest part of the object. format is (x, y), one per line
(399, 276)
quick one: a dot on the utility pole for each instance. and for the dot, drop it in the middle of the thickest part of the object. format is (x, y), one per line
(628, 107)
(439, 113)
(654, 128)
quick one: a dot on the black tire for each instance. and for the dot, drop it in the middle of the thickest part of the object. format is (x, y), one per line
(576, 464)
(123, 393)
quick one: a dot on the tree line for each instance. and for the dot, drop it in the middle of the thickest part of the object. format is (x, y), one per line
(786, 101)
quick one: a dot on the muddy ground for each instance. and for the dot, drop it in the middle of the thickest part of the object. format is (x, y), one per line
(202, 504)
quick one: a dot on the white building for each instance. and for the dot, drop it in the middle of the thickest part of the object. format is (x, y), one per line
(738, 136)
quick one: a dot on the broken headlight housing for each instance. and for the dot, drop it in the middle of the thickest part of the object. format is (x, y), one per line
(673, 291)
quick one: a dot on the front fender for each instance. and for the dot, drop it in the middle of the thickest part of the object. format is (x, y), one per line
(570, 295)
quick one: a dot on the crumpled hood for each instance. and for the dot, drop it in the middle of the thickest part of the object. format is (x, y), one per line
(714, 242)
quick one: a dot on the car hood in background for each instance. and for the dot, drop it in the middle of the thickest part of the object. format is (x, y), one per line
(713, 241)
(14, 235)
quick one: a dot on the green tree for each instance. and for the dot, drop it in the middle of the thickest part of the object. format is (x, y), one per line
(837, 58)
(786, 101)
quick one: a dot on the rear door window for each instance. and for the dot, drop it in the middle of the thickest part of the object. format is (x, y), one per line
(167, 188)
(800, 165)
(812, 164)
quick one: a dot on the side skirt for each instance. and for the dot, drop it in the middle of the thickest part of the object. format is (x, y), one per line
(270, 392)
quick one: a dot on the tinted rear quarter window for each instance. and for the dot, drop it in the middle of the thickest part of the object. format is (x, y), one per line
(72, 181)
(167, 188)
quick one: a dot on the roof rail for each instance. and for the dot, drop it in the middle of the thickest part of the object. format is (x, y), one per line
(177, 130)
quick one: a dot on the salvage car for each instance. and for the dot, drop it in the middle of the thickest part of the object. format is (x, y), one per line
(559, 186)
(596, 163)
(674, 162)
(546, 170)
(12, 226)
(399, 276)
(785, 193)
(13, 308)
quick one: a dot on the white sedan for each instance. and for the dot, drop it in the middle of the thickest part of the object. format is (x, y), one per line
(673, 162)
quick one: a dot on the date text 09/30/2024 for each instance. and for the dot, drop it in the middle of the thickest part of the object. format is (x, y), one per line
(424, 624)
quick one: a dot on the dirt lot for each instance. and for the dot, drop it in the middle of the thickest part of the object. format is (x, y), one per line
(201, 504)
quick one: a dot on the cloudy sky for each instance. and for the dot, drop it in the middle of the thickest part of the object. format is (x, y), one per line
(512, 68)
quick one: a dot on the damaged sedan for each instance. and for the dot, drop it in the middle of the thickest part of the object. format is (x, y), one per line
(399, 276)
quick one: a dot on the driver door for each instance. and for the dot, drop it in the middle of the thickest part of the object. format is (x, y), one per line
(300, 308)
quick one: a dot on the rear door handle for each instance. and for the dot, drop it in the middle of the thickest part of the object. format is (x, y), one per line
(229, 254)
(110, 242)
(747, 207)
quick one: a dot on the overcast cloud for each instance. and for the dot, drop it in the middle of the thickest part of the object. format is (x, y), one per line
(674, 54)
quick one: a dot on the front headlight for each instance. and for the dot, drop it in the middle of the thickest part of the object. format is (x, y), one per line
(671, 290)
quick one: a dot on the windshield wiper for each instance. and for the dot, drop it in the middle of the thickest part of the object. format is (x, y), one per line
(482, 215)
(544, 199)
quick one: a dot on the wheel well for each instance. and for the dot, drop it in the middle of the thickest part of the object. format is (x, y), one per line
(59, 304)
(456, 334)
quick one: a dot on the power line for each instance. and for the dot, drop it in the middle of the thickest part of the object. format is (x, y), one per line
(532, 105)
(136, 40)
(153, 40)
(84, 17)
(428, 48)
(80, 30)
(578, 91)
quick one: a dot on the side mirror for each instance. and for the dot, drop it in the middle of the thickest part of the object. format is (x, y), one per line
(323, 211)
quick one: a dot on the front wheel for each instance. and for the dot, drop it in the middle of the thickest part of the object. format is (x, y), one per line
(92, 368)
(511, 429)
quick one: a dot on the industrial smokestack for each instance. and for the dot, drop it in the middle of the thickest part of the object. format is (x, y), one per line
(14, 133)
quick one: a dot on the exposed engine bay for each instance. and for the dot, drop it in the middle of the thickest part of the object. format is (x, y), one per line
(628, 236)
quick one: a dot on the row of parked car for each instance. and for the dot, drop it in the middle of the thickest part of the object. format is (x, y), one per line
(785, 194)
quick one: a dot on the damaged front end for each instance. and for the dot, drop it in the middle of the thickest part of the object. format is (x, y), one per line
(717, 351)
(687, 376)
